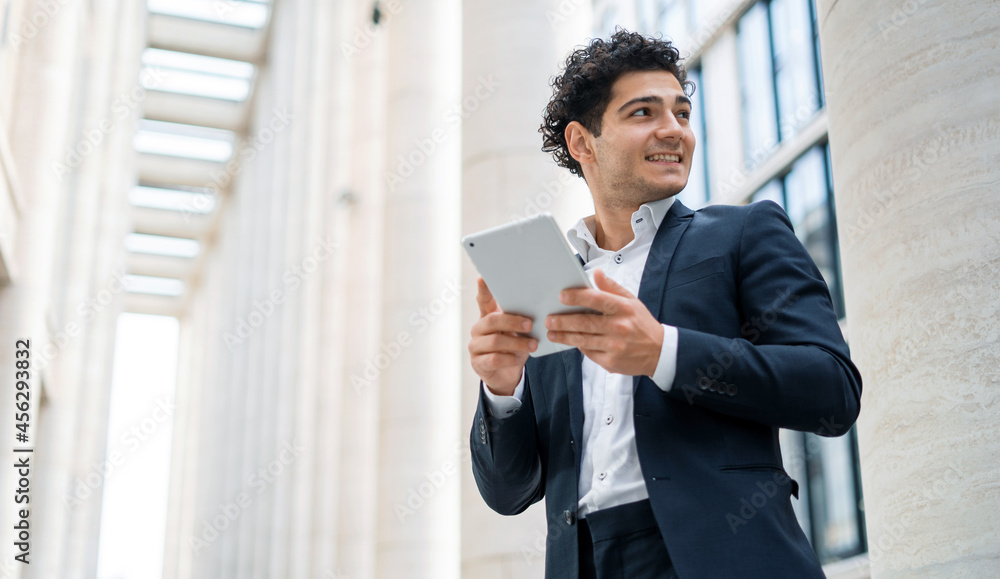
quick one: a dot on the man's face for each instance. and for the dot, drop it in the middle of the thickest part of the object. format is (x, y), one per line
(646, 144)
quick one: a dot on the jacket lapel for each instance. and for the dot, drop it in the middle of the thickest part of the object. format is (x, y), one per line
(573, 364)
(654, 275)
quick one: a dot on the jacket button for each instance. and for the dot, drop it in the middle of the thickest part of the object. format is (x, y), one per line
(569, 517)
(704, 382)
(731, 389)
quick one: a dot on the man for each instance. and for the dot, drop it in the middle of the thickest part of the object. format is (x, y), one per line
(648, 438)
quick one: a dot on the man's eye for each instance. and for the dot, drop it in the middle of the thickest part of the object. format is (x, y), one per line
(684, 115)
(641, 113)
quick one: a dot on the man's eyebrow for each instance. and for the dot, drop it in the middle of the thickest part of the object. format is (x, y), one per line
(679, 99)
(645, 99)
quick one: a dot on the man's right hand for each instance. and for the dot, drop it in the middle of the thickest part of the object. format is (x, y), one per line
(498, 352)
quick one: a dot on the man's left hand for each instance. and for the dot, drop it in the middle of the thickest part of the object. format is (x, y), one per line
(624, 338)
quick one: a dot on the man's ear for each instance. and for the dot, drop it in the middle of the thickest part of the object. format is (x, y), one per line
(579, 141)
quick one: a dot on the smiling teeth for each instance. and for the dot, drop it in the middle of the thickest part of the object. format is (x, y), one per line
(668, 158)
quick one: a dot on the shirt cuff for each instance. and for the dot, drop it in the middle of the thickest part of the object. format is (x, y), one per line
(666, 368)
(504, 406)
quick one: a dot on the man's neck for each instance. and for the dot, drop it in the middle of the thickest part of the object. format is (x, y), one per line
(613, 227)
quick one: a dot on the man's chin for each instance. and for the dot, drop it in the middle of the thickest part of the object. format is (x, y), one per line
(664, 191)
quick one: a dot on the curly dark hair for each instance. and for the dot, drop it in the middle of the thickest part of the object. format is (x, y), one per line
(582, 91)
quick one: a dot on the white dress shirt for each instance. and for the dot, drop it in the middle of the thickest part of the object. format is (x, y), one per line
(609, 471)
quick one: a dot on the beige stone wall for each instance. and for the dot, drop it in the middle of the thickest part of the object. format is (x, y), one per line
(915, 140)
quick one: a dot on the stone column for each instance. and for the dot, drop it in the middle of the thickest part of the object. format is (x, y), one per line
(96, 265)
(420, 348)
(506, 176)
(915, 139)
(41, 113)
(357, 487)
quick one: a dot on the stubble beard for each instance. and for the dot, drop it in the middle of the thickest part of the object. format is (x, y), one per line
(627, 190)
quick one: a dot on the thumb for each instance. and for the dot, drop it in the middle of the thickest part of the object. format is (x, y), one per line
(605, 283)
(484, 299)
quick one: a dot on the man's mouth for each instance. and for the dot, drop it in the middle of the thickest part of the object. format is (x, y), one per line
(667, 157)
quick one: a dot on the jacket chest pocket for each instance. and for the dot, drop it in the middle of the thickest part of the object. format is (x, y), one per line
(702, 297)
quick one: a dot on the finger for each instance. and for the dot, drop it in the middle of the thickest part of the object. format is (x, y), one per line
(581, 323)
(484, 298)
(489, 363)
(506, 343)
(595, 299)
(605, 283)
(595, 342)
(500, 322)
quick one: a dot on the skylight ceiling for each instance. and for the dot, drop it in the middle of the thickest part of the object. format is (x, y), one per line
(186, 141)
(186, 200)
(197, 75)
(245, 13)
(161, 245)
(160, 286)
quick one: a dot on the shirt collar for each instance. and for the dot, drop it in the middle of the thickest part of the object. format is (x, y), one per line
(581, 236)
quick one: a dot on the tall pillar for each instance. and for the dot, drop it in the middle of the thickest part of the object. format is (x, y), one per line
(420, 348)
(362, 322)
(915, 138)
(98, 210)
(42, 110)
(329, 173)
(506, 176)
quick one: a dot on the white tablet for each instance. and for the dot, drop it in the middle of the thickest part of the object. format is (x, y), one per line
(526, 264)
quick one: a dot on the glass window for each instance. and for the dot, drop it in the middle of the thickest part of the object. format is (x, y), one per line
(809, 204)
(695, 11)
(645, 16)
(779, 78)
(794, 64)
(774, 190)
(695, 194)
(807, 197)
(835, 514)
(760, 125)
(608, 21)
(829, 506)
(816, 53)
(673, 21)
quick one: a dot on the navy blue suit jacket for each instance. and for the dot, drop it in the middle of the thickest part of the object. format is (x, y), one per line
(759, 349)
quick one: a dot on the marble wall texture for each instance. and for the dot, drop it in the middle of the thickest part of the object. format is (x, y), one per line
(915, 142)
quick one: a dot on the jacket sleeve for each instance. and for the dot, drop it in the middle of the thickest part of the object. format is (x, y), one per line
(790, 367)
(505, 457)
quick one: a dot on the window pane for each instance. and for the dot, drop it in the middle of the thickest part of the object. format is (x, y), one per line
(833, 502)
(608, 21)
(816, 54)
(809, 208)
(645, 16)
(673, 20)
(773, 191)
(760, 126)
(695, 9)
(794, 64)
(793, 457)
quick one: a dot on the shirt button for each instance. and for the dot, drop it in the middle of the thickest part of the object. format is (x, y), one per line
(618, 258)
(639, 220)
(609, 419)
(602, 476)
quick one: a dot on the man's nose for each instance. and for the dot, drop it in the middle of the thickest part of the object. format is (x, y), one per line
(670, 128)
